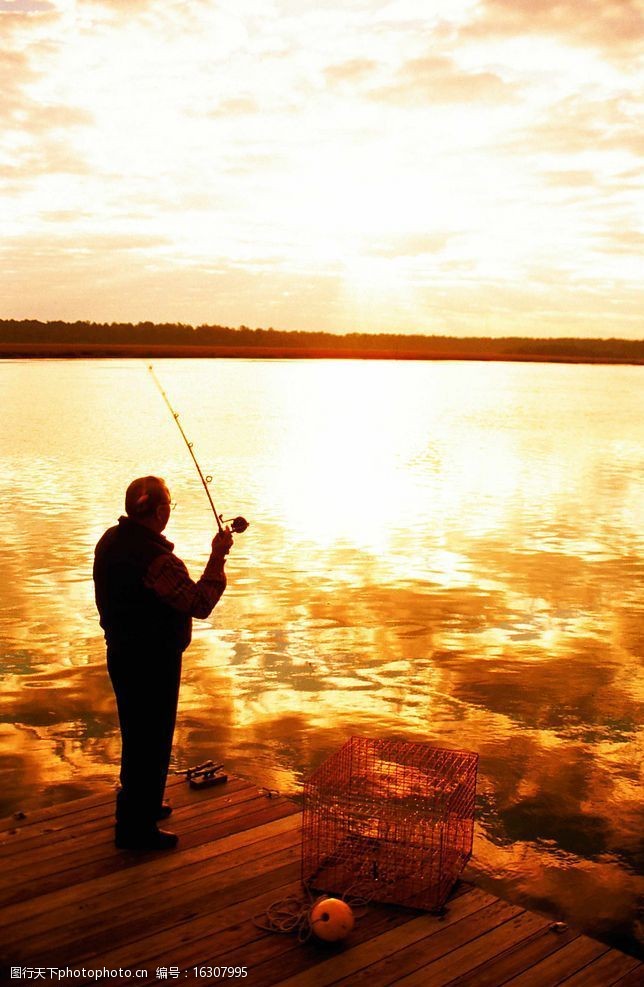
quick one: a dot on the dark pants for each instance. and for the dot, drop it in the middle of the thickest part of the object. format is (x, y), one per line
(146, 686)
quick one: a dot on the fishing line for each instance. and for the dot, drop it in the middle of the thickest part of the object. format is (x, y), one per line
(238, 524)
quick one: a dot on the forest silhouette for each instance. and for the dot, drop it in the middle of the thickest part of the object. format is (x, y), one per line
(29, 337)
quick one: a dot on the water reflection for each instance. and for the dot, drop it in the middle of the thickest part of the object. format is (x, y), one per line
(447, 552)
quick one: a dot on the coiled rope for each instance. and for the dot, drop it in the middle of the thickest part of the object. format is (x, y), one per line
(293, 913)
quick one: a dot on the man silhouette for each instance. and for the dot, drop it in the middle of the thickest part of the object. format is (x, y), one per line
(146, 601)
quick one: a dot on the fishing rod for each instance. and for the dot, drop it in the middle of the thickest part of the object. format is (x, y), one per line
(238, 524)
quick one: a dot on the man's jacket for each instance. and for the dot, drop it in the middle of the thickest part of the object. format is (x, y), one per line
(144, 594)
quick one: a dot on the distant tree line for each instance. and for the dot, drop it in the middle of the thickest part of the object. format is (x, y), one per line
(153, 335)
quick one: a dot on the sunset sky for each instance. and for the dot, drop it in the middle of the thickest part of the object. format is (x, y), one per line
(466, 167)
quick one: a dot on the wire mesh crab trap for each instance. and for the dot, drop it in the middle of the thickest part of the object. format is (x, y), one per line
(389, 820)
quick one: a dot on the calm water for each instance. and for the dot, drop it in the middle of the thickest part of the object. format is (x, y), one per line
(448, 552)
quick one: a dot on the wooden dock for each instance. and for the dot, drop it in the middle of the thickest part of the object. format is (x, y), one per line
(70, 902)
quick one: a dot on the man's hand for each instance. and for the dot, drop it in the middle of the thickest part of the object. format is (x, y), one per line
(222, 542)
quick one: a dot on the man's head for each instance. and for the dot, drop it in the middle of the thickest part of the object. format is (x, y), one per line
(147, 500)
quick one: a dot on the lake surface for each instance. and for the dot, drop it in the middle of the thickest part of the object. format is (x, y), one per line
(445, 552)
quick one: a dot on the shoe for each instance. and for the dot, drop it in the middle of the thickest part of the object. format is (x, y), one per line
(164, 811)
(154, 839)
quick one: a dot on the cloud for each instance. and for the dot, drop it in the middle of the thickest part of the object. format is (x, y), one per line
(614, 26)
(61, 216)
(622, 241)
(570, 178)
(128, 284)
(350, 71)
(236, 106)
(23, 68)
(293, 134)
(27, 19)
(15, 72)
(46, 158)
(119, 7)
(110, 263)
(254, 163)
(80, 244)
(437, 79)
(38, 129)
(42, 118)
(413, 245)
(631, 178)
(117, 242)
(19, 7)
(577, 123)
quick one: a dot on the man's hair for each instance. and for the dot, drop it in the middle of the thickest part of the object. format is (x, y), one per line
(144, 495)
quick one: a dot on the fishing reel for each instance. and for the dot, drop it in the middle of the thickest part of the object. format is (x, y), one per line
(237, 524)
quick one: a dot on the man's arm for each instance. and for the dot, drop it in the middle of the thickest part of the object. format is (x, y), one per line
(170, 580)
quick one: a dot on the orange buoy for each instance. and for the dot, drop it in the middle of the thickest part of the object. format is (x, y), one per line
(331, 919)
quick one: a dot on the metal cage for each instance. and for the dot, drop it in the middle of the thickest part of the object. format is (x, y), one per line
(389, 820)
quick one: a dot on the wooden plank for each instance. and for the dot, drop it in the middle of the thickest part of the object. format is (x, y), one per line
(71, 899)
(40, 840)
(273, 956)
(128, 918)
(281, 957)
(605, 971)
(81, 863)
(109, 860)
(158, 868)
(270, 956)
(74, 807)
(633, 979)
(182, 942)
(499, 969)
(23, 820)
(243, 936)
(276, 952)
(564, 963)
(86, 908)
(228, 910)
(81, 846)
(467, 957)
(377, 919)
(181, 920)
(346, 966)
(43, 834)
